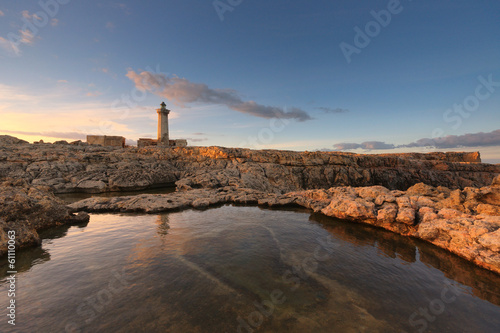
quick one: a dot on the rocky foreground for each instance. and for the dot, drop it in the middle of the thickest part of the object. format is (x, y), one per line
(449, 199)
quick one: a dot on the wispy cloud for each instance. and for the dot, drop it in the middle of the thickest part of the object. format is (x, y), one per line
(47, 114)
(480, 139)
(24, 36)
(124, 8)
(27, 37)
(50, 134)
(8, 46)
(93, 94)
(196, 139)
(182, 91)
(54, 22)
(110, 26)
(2, 13)
(371, 145)
(331, 110)
(26, 14)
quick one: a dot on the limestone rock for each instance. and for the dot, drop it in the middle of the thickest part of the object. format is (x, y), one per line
(28, 210)
(10, 140)
(406, 216)
(346, 208)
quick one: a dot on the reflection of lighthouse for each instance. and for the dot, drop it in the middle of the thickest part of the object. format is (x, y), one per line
(163, 138)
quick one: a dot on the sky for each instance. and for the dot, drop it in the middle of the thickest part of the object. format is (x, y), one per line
(364, 76)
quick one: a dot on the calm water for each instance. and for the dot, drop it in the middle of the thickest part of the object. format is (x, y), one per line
(244, 269)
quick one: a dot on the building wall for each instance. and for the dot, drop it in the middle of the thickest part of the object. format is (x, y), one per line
(141, 143)
(104, 140)
(178, 143)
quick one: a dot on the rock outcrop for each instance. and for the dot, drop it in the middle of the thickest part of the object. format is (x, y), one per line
(96, 169)
(11, 140)
(27, 210)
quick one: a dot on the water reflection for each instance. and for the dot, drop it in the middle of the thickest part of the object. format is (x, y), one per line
(484, 284)
(162, 225)
(26, 258)
(246, 269)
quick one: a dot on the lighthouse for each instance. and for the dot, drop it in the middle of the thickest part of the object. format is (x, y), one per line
(163, 139)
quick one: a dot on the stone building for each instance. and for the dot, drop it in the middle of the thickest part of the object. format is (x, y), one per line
(105, 140)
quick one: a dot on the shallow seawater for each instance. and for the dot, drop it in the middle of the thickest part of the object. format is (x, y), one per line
(244, 269)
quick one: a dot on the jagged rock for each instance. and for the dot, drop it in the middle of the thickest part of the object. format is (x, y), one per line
(215, 167)
(406, 216)
(29, 210)
(388, 213)
(10, 140)
(496, 182)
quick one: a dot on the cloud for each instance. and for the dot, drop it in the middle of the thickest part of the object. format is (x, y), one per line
(331, 110)
(480, 139)
(182, 91)
(93, 94)
(2, 13)
(196, 139)
(50, 134)
(124, 8)
(370, 145)
(54, 22)
(27, 37)
(8, 46)
(26, 14)
(110, 26)
(24, 36)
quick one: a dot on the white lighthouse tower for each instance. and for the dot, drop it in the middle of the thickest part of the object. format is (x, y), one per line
(163, 139)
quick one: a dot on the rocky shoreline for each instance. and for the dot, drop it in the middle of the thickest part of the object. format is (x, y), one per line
(448, 199)
(465, 222)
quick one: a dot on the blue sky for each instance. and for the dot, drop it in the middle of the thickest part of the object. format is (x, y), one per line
(270, 74)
